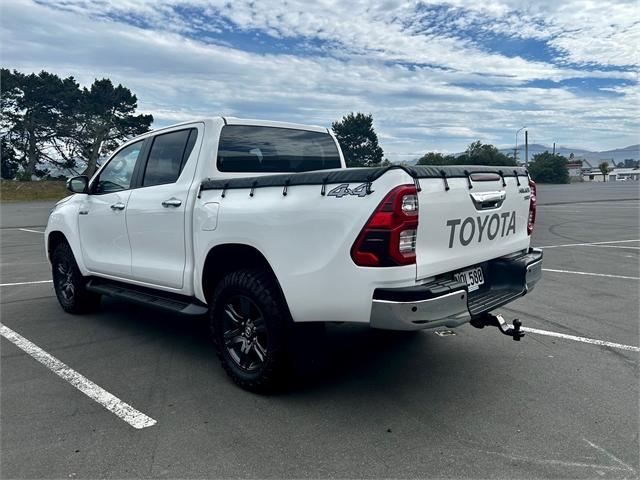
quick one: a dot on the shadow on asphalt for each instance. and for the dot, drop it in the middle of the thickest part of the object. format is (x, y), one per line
(348, 355)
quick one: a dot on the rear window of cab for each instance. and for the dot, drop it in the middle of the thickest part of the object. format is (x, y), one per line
(245, 148)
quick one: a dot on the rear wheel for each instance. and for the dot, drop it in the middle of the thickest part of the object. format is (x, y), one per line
(249, 323)
(69, 284)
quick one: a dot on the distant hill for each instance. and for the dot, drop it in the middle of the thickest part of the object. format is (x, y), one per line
(592, 158)
(536, 148)
(617, 155)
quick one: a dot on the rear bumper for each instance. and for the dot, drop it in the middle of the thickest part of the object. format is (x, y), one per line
(448, 303)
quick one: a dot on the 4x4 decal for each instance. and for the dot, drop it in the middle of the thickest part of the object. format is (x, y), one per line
(342, 190)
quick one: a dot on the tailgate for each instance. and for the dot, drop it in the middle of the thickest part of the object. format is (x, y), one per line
(464, 226)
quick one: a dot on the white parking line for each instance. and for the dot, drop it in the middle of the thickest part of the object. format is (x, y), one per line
(112, 403)
(592, 341)
(590, 205)
(620, 465)
(614, 246)
(589, 244)
(29, 230)
(590, 274)
(24, 283)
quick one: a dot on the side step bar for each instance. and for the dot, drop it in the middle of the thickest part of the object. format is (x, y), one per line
(145, 296)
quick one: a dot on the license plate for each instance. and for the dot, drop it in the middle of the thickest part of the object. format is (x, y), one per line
(472, 277)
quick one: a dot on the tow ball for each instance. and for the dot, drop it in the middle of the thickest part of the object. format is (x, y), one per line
(489, 320)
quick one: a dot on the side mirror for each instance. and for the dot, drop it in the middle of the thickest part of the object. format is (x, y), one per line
(79, 184)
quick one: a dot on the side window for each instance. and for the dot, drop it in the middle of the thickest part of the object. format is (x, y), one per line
(167, 157)
(116, 176)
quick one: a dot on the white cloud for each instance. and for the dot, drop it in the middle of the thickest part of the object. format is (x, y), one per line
(178, 76)
(605, 32)
(601, 33)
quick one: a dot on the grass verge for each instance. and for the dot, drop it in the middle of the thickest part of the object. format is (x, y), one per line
(14, 191)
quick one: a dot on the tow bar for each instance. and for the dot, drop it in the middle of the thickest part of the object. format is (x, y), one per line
(489, 320)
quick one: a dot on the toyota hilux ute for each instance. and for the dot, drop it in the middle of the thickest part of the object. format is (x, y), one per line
(260, 226)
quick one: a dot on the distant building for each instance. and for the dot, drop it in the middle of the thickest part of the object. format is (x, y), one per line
(624, 174)
(575, 171)
(594, 175)
(585, 162)
(616, 174)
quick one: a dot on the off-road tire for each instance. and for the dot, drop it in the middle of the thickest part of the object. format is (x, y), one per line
(258, 289)
(69, 284)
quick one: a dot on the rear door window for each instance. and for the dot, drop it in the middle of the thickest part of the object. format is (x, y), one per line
(167, 156)
(269, 149)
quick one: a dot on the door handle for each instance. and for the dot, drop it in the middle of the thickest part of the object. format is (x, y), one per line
(172, 202)
(83, 212)
(118, 206)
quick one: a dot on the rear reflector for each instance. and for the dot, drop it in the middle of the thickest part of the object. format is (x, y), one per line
(389, 236)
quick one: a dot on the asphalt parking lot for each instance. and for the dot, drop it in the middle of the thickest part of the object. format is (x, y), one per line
(474, 404)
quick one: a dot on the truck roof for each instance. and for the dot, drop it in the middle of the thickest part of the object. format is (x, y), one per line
(247, 121)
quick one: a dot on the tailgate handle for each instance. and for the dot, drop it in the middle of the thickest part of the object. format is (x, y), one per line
(488, 200)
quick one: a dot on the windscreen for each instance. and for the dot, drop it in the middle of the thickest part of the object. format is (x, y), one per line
(269, 149)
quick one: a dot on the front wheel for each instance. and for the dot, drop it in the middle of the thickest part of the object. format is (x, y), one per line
(249, 322)
(69, 284)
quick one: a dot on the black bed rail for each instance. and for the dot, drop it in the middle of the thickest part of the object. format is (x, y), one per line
(357, 175)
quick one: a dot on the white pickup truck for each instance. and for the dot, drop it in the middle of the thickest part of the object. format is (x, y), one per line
(261, 226)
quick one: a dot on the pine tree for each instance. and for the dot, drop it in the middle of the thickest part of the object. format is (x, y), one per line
(107, 118)
(34, 109)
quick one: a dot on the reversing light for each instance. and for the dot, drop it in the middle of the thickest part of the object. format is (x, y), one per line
(407, 242)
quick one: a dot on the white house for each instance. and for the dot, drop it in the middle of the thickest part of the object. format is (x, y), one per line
(593, 175)
(624, 174)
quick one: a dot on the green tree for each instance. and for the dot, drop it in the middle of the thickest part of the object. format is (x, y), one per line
(34, 109)
(436, 158)
(604, 168)
(358, 140)
(548, 168)
(47, 118)
(478, 153)
(107, 118)
(8, 160)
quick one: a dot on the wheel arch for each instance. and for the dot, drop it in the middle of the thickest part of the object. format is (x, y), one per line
(54, 239)
(225, 258)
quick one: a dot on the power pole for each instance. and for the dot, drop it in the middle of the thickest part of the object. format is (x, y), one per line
(554, 149)
(515, 150)
(526, 148)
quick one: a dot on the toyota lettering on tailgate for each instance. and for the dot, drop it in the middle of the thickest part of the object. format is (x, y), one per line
(475, 227)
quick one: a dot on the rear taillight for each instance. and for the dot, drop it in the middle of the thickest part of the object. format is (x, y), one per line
(389, 237)
(532, 207)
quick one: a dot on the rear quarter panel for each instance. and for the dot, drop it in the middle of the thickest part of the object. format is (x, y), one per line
(307, 239)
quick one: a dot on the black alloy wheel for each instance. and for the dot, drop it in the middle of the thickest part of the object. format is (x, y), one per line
(250, 322)
(69, 284)
(63, 277)
(245, 333)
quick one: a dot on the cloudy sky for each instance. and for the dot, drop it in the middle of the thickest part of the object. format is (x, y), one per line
(435, 75)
